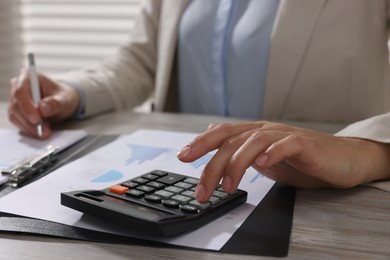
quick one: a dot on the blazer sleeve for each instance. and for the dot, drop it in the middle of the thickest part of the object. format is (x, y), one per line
(126, 79)
(375, 129)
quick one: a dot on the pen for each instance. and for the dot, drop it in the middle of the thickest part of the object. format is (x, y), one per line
(35, 89)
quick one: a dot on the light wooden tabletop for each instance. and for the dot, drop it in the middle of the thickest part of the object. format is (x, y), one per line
(327, 223)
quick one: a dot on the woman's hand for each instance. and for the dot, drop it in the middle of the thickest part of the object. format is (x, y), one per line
(59, 101)
(294, 156)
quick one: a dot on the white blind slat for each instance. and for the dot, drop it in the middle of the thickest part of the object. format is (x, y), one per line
(10, 44)
(74, 37)
(64, 35)
(67, 35)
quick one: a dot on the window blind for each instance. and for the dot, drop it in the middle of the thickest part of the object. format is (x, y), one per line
(10, 44)
(69, 34)
(63, 34)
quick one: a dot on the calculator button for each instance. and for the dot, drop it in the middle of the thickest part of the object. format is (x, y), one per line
(220, 194)
(150, 176)
(155, 185)
(181, 199)
(188, 193)
(192, 181)
(184, 185)
(135, 193)
(171, 179)
(200, 205)
(146, 189)
(214, 200)
(174, 189)
(119, 189)
(164, 194)
(153, 198)
(230, 193)
(130, 184)
(189, 209)
(140, 180)
(170, 204)
(164, 205)
(159, 173)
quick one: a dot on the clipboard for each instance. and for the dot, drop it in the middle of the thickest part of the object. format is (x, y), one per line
(266, 232)
(46, 160)
(23, 158)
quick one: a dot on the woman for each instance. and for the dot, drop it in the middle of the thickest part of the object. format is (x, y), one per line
(324, 60)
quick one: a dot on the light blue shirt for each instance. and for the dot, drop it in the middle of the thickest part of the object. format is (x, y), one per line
(223, 49)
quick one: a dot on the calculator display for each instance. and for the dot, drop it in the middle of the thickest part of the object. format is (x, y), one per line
(138, 210)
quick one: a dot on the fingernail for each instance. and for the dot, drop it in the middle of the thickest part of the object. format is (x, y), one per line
(226, 183)
(210, 126)
(21, 78)
(33, 119)
(184, 152)
(46, 108)
(200, 192)
(261, 160)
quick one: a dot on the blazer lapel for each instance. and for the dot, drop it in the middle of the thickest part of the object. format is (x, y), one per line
(294, 25)
(171, 11)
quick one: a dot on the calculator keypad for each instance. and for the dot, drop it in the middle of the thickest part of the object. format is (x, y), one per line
(170, 190)
(155, 203)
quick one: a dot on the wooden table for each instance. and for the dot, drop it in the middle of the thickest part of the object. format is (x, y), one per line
(327, 223)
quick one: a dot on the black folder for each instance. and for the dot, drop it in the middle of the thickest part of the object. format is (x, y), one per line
(265, 232)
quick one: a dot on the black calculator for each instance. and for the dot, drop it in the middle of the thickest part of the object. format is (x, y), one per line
(156, 203)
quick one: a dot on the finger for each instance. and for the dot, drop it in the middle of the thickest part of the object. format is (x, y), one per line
(46, 131)
(295, 148)
(49, 107)
(22, 77)
(55, 108)
(285, 174)
(13, 82)
(215, 168)
(25, 126)
(300, 154)
(211, 126)
(61, 103)
(213, 139)
(23, 99)
(15, 115)
(256, 143)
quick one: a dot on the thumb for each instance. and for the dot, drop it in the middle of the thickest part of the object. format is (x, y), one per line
(50, 106)
(58, 107)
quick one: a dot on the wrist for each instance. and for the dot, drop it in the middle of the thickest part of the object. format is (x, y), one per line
(77, 96)
(373, 161)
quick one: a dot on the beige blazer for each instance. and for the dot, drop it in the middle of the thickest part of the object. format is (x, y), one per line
(328, 62)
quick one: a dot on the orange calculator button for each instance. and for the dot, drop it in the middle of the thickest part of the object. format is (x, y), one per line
(119, 189)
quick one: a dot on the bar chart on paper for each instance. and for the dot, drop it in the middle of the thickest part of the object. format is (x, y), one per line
(143, 153)
(138, 156)
(139, 153)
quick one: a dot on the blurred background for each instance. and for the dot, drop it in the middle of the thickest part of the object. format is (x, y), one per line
(63, 34)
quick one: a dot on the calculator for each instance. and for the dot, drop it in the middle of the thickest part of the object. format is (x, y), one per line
(156, 203)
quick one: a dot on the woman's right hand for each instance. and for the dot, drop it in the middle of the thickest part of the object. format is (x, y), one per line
(58, 102)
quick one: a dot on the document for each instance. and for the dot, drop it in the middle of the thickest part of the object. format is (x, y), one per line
(127, 157)
(15, 147)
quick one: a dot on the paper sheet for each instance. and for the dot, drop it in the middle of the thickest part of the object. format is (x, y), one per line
(125, 158)
(14, 147)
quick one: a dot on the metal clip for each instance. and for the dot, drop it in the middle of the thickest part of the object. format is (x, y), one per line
(28, 167)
